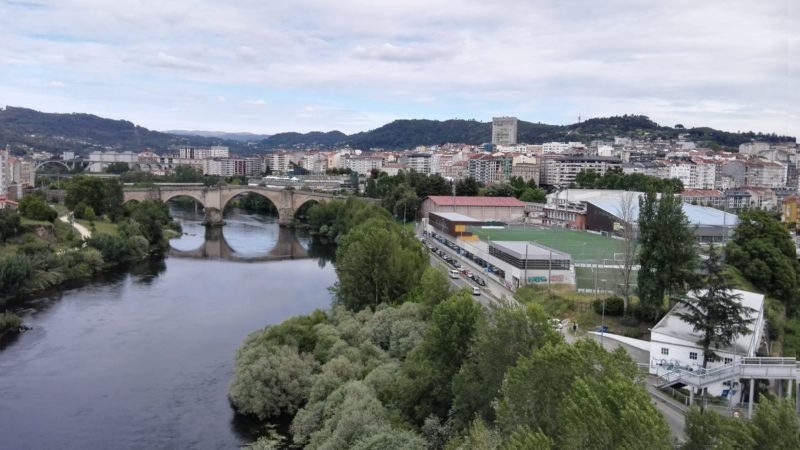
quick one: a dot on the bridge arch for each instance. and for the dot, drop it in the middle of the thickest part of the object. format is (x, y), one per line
(304, 206)
(52, 161)
(167, 196)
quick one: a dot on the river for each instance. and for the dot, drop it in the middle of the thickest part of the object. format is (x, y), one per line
(144, 359)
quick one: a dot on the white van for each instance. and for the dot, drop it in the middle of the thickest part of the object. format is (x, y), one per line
(453, 273)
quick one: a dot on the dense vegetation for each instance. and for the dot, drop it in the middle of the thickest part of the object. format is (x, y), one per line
(84, 133)
(41, 255)
(615, 179)
(402, 362)
(775, 426)
(22, 128)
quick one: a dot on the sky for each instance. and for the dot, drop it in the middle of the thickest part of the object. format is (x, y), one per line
(267, 66)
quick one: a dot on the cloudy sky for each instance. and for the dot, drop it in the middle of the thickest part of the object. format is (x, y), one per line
(298, 65)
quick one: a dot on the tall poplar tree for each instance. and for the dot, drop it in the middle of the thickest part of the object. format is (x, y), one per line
(667, 256)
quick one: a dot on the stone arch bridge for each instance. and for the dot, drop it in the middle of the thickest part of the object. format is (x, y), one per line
(214, 199)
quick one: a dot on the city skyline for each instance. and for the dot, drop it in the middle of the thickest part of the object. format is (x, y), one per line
(353, 66)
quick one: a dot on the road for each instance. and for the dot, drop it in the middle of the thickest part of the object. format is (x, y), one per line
(486, 298)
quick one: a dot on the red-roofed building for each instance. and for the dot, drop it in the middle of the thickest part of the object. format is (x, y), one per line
(506, 209)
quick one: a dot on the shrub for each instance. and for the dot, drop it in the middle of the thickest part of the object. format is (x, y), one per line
(614, 306)
(629, 320)
(34, 207)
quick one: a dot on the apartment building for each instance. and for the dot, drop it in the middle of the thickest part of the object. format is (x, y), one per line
(562, 170)
(215, 151)
(489, 169)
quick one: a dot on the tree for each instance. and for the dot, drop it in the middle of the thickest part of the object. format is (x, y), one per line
(763, 251)
(271, 380)
(34, 207)
(533, 195)
(377, 262)
(629, 243)
(611, 412)
(426, 387)
(498, 190)
(118, 168)
(467, 187)
(535, 388)
(508, 333)
(709, 429)
(715, 312)
(667, 256)
(10, 224)
(102, 195)
(152, 216)
(775, 425)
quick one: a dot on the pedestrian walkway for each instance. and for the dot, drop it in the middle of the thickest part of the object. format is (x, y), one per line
(82, 230)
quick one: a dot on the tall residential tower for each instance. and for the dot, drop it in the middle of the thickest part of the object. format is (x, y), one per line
(504, 130)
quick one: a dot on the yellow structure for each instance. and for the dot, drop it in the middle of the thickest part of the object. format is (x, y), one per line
(791, 208)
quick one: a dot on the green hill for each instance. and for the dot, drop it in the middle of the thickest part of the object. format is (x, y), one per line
(22, 128)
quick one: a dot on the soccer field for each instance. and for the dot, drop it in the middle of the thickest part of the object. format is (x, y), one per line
(581, 245)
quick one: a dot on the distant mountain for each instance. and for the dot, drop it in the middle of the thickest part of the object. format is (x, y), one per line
(22, 128)
(411, 133)
(242, 137)
(311, 139)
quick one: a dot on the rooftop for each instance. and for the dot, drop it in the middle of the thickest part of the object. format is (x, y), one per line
(455, 217)
(446, 200)
(528, 250)
(673, 326)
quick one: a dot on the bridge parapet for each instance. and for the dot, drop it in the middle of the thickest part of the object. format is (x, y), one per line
(214, 199)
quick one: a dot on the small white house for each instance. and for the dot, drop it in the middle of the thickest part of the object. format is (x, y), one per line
(673, 342)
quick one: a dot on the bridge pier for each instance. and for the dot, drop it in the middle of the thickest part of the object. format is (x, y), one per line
(285, 216)
(213, 217)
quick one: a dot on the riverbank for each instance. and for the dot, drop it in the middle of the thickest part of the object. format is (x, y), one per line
(142, 357)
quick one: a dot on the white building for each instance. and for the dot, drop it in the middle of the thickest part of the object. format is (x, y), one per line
(420, 162)
(99, 161)
(673, 342)
(215, 151)
(364, 164)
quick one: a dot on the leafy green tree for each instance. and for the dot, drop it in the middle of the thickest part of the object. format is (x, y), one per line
(271, 380)
(467, 187)
(429, 370)
(116, 250)
(34, 207)
(711, 430)
(508, 333)
(10, 224)
(763, 251)
(433, 288)
(402, 202)
(525, 438)
(533, 195)
(534, 389)
(498, 190)
(776, 425)
(151, 216)
(667, 255)
(715, 312)
(118, 168)
(371, 188)
(104, 196)
(610, 413)
(377, 262)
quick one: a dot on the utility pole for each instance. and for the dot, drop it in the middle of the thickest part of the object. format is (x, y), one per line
(549, 270)
(526, 263)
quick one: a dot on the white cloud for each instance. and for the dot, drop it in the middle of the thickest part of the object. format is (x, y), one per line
(730, 64)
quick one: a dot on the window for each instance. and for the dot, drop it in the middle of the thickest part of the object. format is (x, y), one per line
(664, 351)
(693, 355)
(728, 360)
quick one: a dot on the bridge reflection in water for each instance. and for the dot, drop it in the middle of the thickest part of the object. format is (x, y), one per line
(215, 246)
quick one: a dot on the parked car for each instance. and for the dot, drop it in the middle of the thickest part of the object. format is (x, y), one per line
(476, 291)
(480, 281)
(453, 273)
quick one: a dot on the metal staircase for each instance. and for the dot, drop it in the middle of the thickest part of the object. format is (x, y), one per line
(759, 368)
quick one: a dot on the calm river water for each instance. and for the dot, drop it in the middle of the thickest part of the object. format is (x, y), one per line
(143, 360)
